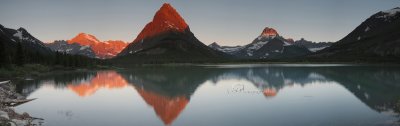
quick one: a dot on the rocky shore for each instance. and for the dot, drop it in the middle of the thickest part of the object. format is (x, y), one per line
(9, 98)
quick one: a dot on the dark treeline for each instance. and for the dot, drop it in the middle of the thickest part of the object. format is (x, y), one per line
(21, 56)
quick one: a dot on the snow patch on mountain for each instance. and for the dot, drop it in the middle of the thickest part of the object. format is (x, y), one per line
(316, 49)
(388, 14)
(367, 29)
(110, 54)
(171, 25)
(393, 11)
(257, 45)
(74, 48)
(230, 49)
(20, 36)
(84, 47)
(225, 49)
(91, 38)
(259, 38)
(286, 43)
(68, 50)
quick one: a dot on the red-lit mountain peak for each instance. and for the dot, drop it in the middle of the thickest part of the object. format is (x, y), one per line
(166, 19)
(169, 17)
(269, 32)
(103, 50)
(84, 39)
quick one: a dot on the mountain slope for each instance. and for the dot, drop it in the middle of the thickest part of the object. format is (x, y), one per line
(10, 38)
(19, 47)
(167, 38)
(313, 46)
(73, 49)
(103, 50)
(377, 38)
(226, 49)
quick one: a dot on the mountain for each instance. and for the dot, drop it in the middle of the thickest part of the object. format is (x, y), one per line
(312, 46)
(18, 46)
(167, 38)
(11, 37)
(103, 50)
(226, 49)
(377, 38)
(73, 49)
(268, 45)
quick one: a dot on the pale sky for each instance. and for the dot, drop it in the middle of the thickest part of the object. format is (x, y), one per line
(228, 22)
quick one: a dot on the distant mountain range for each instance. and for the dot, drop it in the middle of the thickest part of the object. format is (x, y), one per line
(19, 47)
(74, 48)
(313, 46)
(270, 45)
(168, 38)
(78, 45)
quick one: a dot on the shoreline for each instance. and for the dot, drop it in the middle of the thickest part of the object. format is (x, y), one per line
(31, 71)
(9, 99)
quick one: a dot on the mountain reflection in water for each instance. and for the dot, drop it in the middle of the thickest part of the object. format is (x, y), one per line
(168, 89)
(103, 79)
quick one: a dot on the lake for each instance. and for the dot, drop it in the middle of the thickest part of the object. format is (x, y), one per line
(220, 95)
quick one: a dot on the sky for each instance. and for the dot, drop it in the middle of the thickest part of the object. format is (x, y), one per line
(227, 22)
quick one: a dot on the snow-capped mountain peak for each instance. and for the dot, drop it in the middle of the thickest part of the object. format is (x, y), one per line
(267, 45)
(84, 39)
(392, 12)
(388, 15)
(106, 49)
(30, 44)
(19, 35)
(22, 35)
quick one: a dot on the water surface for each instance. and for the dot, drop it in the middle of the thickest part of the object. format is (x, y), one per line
(218, 95)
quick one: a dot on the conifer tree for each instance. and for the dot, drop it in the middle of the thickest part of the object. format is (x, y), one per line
(20, 57)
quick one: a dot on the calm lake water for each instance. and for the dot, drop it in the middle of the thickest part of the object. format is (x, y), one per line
(225, 95)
